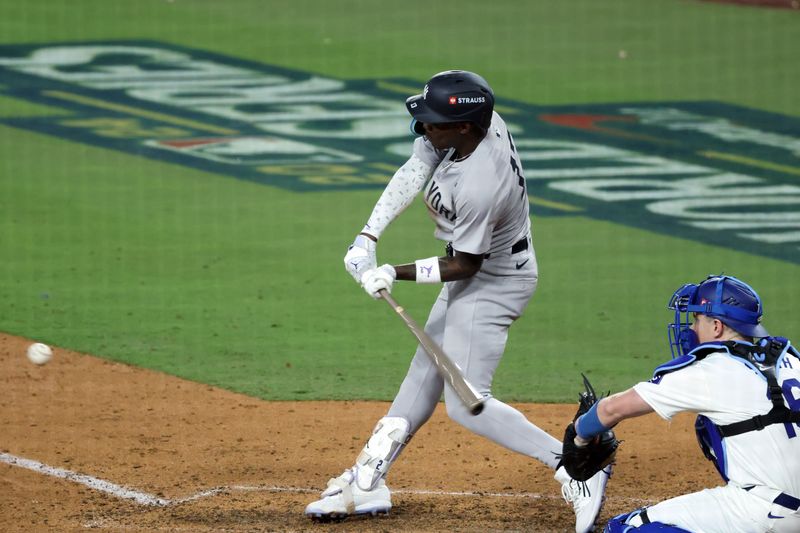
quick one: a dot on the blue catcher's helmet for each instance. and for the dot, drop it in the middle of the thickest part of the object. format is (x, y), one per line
(725, 298)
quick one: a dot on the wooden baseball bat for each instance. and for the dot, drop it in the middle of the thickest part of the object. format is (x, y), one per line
(449, 371)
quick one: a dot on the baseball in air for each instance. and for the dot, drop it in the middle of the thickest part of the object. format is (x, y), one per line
(39, 353)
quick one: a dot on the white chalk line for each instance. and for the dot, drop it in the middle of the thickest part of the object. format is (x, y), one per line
(89, 481)
(143, 498)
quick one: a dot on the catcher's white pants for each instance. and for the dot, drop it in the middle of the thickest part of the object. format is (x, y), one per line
(726, 509)
(470, 321)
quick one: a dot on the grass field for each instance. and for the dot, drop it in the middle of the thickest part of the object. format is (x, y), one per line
(239, 284)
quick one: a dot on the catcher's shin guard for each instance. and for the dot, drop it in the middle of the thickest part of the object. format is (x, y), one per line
(637, 522)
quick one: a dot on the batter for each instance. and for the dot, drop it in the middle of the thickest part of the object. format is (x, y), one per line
(466, 166)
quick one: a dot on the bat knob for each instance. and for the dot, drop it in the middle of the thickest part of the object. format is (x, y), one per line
(477, 408)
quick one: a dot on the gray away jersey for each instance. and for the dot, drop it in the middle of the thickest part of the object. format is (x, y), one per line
(479, 203)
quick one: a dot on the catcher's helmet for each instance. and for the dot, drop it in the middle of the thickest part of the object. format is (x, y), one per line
(725, 298)
(452, 96)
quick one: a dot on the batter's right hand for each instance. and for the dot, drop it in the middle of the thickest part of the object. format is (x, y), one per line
(360, 257)
(377, 279)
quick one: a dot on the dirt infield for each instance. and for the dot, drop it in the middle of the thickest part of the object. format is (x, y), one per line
(157, 453)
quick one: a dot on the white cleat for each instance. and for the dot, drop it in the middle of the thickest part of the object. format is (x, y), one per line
(344, 498)
(587, 497)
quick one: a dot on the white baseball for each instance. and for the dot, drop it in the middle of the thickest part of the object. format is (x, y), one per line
(39, 353)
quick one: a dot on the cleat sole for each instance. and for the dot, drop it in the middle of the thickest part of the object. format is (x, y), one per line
(338, 517)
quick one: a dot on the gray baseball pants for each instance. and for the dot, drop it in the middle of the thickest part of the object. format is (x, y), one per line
(470, 321)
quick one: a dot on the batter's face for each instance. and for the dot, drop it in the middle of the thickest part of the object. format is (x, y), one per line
(445, 136)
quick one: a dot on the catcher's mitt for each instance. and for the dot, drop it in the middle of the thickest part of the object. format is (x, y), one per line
(583, 462)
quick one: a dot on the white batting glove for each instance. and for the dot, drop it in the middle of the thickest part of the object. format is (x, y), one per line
(376, 279)
(360, 257)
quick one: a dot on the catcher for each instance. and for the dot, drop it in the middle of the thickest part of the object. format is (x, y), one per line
(745, 388)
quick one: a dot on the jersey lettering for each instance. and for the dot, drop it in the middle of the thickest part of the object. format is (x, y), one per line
(516, 167)
(435, 204)
(434, 198)
(433, 190)
(793, 399)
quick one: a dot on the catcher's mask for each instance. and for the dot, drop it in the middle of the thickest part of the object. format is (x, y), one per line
(725, 298)
(452, 96)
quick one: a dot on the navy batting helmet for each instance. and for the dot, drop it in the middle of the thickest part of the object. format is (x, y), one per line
(730, 300)
(452, 96)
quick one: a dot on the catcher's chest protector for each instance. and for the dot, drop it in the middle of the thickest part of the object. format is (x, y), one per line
(762, 358)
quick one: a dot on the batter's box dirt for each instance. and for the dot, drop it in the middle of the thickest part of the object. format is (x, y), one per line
(204, 459)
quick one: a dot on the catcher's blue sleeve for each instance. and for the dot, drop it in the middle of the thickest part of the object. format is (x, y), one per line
(589, 425)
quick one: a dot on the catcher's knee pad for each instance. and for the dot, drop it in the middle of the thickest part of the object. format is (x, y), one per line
(637, 522)
(389, 437)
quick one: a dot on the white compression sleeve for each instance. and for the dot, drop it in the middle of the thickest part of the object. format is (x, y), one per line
(404, 186)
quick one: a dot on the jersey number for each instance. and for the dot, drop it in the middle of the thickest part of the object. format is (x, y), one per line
(516, 167)
(789, 386)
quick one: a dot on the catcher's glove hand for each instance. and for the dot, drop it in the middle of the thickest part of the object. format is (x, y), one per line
(583, 462)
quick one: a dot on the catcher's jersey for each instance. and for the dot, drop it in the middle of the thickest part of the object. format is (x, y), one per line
(724, 389)
(479, 203)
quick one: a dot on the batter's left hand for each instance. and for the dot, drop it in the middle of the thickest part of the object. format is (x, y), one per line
(360, 257)
(375, 279)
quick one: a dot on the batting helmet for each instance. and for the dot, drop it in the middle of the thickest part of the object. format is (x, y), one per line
(452, 96)
(725, 298)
